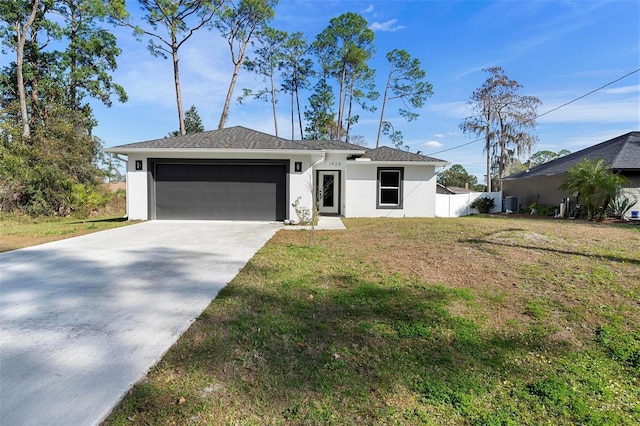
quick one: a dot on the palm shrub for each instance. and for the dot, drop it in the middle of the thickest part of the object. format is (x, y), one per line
(595, 184)
(483, 204)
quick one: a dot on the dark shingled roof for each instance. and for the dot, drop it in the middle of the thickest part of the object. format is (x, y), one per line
(242, 138)
(233, 137)
(331, 144)
(620, 154)
(385, 153)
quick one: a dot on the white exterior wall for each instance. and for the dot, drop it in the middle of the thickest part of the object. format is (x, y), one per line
(361, 186)
(300, 185)
(358, 184)
(337, 162)
(137, 193)
(137, 180)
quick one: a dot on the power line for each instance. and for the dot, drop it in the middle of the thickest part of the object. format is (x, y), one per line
(547, 112)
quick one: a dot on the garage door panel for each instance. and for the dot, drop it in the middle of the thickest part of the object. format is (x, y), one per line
(227, 192)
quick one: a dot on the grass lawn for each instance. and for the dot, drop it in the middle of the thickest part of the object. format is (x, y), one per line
(414, 321)
(18, 232)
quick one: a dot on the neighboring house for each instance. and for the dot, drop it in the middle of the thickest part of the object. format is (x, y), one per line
(451, 190)
(540, 184)
(241, 174)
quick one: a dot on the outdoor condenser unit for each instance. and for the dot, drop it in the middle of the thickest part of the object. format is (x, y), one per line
(513, 203)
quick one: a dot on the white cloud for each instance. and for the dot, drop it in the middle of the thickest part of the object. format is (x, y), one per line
(386, 26)
(438, 135)
(625, 90)
(432, 144)
(368, 9)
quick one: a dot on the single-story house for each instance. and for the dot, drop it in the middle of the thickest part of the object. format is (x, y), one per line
(451, 190)
(540, 184)
(241, 174)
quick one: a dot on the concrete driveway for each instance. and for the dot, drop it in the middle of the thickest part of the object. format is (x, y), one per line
(83, 319)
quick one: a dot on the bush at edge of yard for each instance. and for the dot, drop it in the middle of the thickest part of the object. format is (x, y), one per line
(483, 204)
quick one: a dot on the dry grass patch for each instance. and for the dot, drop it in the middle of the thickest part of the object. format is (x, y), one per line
(20, 232)
(414, 321)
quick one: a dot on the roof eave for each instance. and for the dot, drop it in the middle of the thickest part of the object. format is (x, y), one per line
(403, 163)
(177, 151)
(343, 151)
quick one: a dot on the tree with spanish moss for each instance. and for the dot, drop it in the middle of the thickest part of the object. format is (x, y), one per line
(504, 119)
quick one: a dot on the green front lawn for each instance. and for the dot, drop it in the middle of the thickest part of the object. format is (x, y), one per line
(414, 321)
(22, 231)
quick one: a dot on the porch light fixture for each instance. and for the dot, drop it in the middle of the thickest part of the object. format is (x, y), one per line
(298, 166)
(138, 164)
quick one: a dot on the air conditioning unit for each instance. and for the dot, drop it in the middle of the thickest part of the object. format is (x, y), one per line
(512, 204)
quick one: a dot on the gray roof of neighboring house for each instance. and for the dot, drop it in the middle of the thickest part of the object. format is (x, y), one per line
(441, 189)
(239, 137)
(621, 154)
(458, 190)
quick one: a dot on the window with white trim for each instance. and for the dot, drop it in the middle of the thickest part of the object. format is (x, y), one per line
(390, 187)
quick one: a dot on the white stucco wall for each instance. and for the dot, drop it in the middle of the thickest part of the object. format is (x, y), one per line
(336, 162)
(358, 185)
(137, 194)
(419, 191)
(137, 181)
(300, 185)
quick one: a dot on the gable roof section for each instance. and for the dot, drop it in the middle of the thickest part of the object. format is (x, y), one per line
(230, 138)
(241, 138)
(330, 145)
(620, 154)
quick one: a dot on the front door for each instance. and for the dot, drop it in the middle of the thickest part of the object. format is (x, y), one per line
(328, 192)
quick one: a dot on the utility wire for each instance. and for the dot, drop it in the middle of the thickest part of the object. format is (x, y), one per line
(547, 112)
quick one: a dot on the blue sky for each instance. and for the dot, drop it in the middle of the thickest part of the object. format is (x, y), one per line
(558, 50)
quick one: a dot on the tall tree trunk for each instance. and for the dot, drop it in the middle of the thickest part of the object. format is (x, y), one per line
(349, 113)
(293, 126)
(21, 33)
(73, 63)
(299, 113)
(273, 104)
(384, 105)
(176, 78)
(227, 102)
(35, 94)
(488, 119)
(488, 148)
(341, 101)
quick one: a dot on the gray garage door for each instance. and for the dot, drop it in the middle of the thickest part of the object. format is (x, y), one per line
(219, 190)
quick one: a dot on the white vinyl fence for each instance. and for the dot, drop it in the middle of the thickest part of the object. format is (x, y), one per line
(456, 205)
